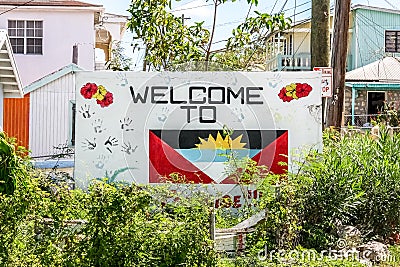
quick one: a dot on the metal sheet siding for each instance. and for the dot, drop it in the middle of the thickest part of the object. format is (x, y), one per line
(16, 118)
(50, 116)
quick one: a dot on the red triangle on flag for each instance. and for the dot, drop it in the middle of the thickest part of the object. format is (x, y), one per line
(271, 156)
(164, 160)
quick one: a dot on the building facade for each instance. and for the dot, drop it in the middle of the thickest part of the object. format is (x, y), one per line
(43, 34)
(291, 50)
(51, 40)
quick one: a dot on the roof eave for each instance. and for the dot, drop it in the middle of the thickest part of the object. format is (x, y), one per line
(71, 68)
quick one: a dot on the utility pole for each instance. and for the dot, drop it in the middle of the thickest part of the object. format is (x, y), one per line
(320, 24)
(320, 41)
(183, 19)
(338, 60)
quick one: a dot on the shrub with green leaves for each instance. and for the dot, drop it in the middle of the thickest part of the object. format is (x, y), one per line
(356, 181)
(120, 226)
(140, 226)
(13, 164)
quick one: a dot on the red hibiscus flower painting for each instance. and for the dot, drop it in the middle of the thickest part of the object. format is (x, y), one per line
(103, 97)
(88, 90)
(107, 100)
(294, 91)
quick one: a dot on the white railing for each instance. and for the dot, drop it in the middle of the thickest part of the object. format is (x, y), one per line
(296, 62)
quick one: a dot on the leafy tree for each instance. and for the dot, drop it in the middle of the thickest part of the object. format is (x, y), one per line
(119, 61)
(169, 42)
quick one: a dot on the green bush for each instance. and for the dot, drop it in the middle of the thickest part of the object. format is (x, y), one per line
(125, 226)
(13, 164)
(354, 181)
(122, 225)
(130, 227)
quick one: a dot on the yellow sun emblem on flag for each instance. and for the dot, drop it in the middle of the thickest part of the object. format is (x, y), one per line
(221, 143)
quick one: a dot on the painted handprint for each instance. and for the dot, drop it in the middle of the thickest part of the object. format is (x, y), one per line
(110, 142)
(88, 144)
(126, 124)
(122, 77)
(275, 80)
(127, 148)
(101, 161)
(98, 126)
(85, 111)
(163, 116)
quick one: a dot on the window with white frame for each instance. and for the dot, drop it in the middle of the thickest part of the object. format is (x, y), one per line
(26, 36)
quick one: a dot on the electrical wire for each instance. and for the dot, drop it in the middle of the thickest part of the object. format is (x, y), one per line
(188, 8)
(390, 4)
(11, 9)
(305, 3)
(248, 12)
(272, 10)
(280, 11)
(184, 5)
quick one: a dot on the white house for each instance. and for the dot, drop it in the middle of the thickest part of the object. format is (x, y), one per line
(43, 33)
(46, 37)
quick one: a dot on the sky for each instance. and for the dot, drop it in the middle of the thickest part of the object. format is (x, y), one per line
(229, 15)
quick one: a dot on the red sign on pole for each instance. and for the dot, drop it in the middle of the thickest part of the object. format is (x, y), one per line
(327, 81)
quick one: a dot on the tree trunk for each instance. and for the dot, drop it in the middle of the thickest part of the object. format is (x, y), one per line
(339, 57)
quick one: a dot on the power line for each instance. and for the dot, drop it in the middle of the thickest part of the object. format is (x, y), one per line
(185, 4)
(280, 11)
(305, 3)
(301, 12)
(240, 19)
(11, 9)
(272, 10)
(390, 4)
(248, 12)
(176, 10)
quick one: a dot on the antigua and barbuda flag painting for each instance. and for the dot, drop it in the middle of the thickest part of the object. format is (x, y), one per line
(200, 155)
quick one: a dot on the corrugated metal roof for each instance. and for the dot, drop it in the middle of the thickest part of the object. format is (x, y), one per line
(9, 76)
(386, 70)
(375, 8)
(51, 77)
(70, 3)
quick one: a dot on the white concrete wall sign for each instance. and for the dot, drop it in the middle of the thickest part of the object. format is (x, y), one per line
(140, 127)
